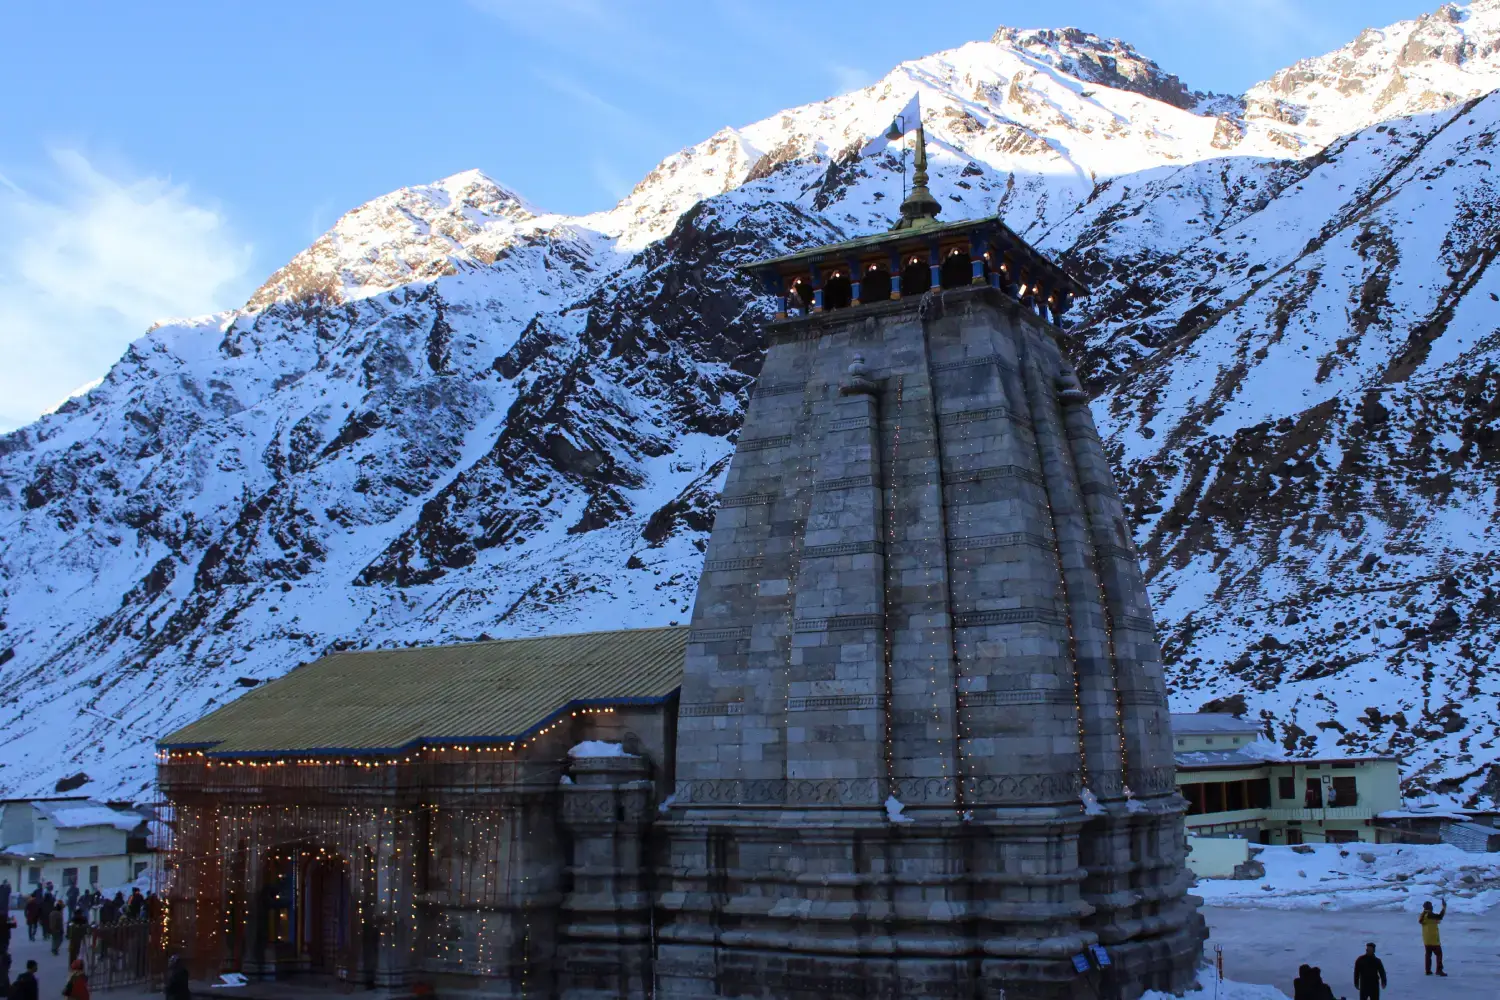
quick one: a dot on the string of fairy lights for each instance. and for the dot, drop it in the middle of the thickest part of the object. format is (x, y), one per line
(1086, 441)
(955, 777)
(383, 863)
(1035, 390)
(887, 618)
(423, 753)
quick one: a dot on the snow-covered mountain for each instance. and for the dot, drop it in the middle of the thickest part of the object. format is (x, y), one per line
(458, 415)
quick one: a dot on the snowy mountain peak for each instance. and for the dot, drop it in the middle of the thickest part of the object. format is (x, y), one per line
(456, 415)
(413, 234)
(1427, 63)
(1093, 59)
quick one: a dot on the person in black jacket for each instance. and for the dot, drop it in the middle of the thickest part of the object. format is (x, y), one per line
(177, 980)
(1369, 974)
(24, 988)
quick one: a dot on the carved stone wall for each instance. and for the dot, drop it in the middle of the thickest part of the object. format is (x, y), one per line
(605, 943)
(923, 746)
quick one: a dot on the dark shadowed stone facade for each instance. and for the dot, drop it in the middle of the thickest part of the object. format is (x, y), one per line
(923, 741)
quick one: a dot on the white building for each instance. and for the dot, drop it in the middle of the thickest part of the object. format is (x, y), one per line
(1241, 790)
(71, 841)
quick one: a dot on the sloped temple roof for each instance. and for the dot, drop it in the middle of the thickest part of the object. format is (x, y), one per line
(479, 692)
(991, 228)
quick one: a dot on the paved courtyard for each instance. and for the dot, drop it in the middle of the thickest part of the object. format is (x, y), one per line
(1266, 946)
(1260, 946)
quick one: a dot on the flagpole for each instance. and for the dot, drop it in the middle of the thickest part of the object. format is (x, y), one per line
(903, 157)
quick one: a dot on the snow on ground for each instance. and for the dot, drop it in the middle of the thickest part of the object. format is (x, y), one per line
(1223, 990)
(1363, 876)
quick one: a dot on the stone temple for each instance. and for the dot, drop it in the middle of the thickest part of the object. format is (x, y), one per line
(923, 745)
(914, 744)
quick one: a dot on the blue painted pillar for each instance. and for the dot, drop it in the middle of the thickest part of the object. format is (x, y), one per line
(854, 275)
(775, 284)
(895, 266)
(935, 262)
(977, 246)
(817, 287)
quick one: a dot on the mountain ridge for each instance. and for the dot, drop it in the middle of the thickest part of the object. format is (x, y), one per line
(457, 415)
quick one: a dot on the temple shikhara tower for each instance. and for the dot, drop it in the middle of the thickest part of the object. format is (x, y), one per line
(914, 744)
(923, 745)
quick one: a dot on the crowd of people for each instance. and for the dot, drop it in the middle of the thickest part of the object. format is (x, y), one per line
(77, 917)
(1369, 970)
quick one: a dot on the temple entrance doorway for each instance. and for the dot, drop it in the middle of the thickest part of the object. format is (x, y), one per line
(311, 911)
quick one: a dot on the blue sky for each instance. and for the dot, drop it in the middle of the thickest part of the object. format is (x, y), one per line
(161, 158)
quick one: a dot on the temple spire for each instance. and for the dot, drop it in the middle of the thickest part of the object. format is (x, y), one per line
(920, 208)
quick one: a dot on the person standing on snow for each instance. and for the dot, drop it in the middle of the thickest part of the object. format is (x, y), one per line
(1432, 940)
(1369, 974)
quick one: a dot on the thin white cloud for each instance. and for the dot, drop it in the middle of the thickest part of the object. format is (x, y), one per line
(849, 78)
(88, 261)
(611, 181)
(1262, 23)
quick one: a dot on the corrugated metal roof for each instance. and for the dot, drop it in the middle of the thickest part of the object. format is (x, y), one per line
(384, 700)
(1193, 723)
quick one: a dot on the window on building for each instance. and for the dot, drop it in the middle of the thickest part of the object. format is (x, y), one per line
(1213, 796)
(1341, 836)
(1209, 740)
(1227, 796)
(1313, 799)
(1345, 792)
(93, 874)
(1286, 788)
(140, 868)
(70, 876)
(1234, 795)
(1293, 837)
(34, 875)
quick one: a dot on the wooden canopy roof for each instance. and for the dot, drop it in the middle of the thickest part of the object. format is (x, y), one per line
(994, 234)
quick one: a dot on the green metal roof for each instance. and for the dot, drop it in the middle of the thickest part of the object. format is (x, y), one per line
(478, 692)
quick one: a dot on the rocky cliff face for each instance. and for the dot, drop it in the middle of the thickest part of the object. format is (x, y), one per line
(457, 415)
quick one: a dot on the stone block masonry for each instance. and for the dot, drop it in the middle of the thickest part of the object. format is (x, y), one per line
(924, 748)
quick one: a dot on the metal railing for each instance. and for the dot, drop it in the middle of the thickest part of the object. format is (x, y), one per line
(125, 953)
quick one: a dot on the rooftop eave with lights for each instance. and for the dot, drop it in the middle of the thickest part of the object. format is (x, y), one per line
(910, 260)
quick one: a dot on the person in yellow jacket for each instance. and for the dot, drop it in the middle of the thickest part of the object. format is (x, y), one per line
(1432, 941)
